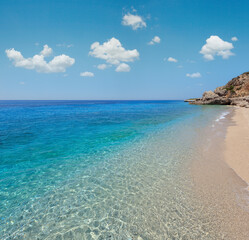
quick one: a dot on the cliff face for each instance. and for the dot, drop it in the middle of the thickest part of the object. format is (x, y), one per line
(235, 92)
(238, 87)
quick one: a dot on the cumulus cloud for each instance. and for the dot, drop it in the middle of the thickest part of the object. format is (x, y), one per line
(38, 63)
(155, 39)
(113, 53)
(234, 39)
(193, 75)
(171, 59)
(133, 21)
(47, 51)
(123, 67)
(102, 66)
(216, 46)
(87, 74)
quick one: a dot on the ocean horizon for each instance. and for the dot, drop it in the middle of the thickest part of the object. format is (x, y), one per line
(124, 120)
(102, 169)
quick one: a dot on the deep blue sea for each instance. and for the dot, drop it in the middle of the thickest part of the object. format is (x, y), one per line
(99, 169)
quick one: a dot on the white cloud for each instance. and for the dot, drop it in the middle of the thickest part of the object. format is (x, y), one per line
(87, 74)
(216, 46)
(171, 59)
(22, 83)
(38, 63)
(47, 51)
(193, 75)
(234, 39)
(112, 52)
(134, 21)
(155, 39)
(123, 67)
(102, 66)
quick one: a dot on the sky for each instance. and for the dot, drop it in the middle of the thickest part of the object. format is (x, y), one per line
(125, 50)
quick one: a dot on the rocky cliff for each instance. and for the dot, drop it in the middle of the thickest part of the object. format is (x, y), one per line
(235, 92)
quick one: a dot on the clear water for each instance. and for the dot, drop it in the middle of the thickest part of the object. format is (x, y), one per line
(100, 170)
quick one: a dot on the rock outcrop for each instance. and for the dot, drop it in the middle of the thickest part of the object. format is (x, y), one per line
(235, 92)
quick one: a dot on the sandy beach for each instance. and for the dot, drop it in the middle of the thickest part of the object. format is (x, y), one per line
(237, 144)
(221, 175)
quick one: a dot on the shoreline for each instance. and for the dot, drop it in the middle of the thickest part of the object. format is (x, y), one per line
(236, 151)
(147, 178)
(219, 187)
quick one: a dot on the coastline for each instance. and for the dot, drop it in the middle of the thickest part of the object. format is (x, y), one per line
(217, 183)
(147, 188)
(236, 152)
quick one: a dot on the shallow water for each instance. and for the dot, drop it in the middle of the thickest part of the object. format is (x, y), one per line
(102, 170)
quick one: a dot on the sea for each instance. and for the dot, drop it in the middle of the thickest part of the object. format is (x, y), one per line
(102, 170)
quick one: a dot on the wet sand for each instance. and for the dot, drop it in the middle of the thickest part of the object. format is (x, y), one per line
(237, 144)
(224, 194)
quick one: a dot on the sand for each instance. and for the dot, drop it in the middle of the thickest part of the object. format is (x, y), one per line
(237, 144)
(220, 176)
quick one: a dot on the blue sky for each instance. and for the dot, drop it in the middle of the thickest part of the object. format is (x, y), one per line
(136, 68)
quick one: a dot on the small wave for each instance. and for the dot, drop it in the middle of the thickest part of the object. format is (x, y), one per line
(222, 116)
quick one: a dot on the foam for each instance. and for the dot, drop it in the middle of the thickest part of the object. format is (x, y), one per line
(222, 116)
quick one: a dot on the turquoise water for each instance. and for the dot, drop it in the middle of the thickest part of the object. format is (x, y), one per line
(99, 169)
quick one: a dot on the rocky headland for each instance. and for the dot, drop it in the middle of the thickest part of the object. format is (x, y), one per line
(235, 92)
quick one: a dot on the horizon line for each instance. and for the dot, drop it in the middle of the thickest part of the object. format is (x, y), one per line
(92, 99)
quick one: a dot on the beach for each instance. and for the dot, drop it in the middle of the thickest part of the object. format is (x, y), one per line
(220, 175)
(119, 170)
(124, 120)
(237, 144)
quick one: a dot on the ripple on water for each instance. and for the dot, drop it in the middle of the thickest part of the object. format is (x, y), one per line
(139, 189)
(138, 192)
